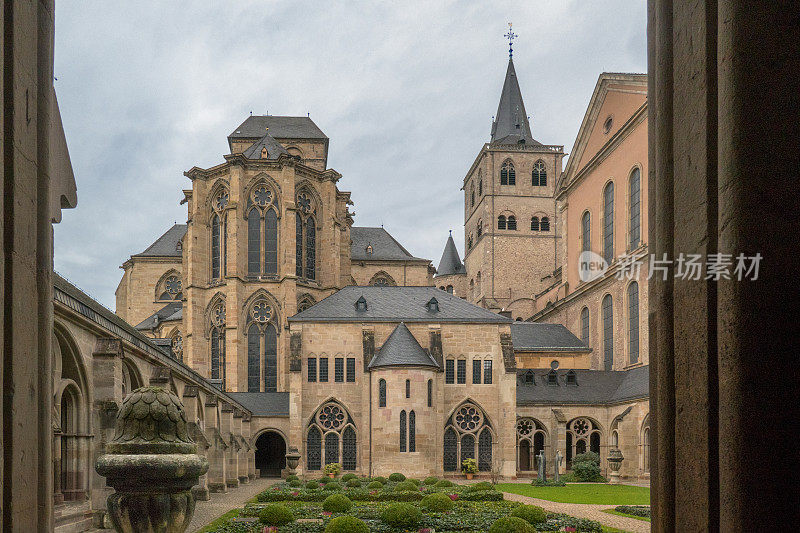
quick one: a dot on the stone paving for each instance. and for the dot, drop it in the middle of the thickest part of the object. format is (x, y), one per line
(221, 503)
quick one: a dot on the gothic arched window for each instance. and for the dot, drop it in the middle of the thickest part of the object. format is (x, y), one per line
(331, 436)
(412, 432)
(480, 228)
(539, 174)
(512, 222)
(633, 323)
(349, 450)
(219, 234)
(507, 174)
(170, 288)
(463, 438)
(535, 224)
(382, 393)
(402, 431)
(262, 219)
(480, 188)
(545, 224)
(608, 332)
(583, 434)
(585, 326)
(430, 393)
(314, 449)
(635, 203)
(501, 222)
(608, 223)
(586, 232)
(262, 347)
(306, 236)
(217, 336)
(472, 195)
(450, 455)
(485, 450)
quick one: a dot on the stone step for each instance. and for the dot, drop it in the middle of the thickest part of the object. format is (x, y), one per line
(74, 524)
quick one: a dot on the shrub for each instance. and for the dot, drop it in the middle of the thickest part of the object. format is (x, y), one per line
(587, 457)
(431, 480)
(380, 479)
(469, 466)
(311, 485)
(532, 514)
(352, 483)
(324, 480)
(404, 496)
(275, 515)
(332, 486)
(397, 477)
(295, 483)
(414, 481)
(402, 515)
(482, 496)
(635, 510)
(405, 485)
(511, 524)
(375, 485)
(483, 485)
(346, 524)
(348, 477)
(291, 478)
(337, 503)
(444, 483)
(332, 468)
(437, 502)
(587, 471)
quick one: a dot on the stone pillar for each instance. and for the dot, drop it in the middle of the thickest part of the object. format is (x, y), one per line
(231, 451)
(296, 430)
(244, 447)
(558, 438)
(216, 452)
(251, 453)
(193, 407)
(723, 99)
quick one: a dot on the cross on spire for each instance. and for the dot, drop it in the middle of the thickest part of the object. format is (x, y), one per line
(510, 36)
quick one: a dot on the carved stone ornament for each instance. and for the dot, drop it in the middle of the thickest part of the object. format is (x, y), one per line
(152, 464)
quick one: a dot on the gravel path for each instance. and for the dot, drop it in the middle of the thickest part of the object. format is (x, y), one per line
(221, 503)
(590, 511)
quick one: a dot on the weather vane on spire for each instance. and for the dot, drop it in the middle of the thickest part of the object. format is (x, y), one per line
(510, 36)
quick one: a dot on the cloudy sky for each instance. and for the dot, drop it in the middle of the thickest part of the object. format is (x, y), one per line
(405, 91)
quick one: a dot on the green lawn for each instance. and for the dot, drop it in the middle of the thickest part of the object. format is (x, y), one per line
(599, 493)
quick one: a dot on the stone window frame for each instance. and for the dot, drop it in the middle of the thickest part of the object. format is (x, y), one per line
(583, 429)
(263, 209)
(162, 289)
(219, 204)
(529, 429)
(508, 174)
(635, 208)
(463, 433)
(314, 423)
(262, 319)
(308, 214)
(539, 174)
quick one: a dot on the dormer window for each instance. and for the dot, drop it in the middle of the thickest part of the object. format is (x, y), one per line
(552, 378)
(432, 305)
(361, 304)
(264, 152)
(529, 377)
(572, 378)
(369, 249)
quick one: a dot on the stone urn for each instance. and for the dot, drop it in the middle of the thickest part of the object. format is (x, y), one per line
(292, 460)
(614, 462)
(152, 464)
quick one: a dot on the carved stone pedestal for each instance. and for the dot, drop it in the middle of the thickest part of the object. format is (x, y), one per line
(614, 462)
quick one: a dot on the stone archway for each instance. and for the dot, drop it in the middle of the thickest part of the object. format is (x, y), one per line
(270, 454)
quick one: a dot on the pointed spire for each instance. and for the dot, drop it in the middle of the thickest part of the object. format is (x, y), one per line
(511, 125)
(450, 263)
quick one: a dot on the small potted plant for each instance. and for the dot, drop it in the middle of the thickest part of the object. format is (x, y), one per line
(469, 467)
(333, 469)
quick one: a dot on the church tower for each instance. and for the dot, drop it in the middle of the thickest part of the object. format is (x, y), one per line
(510, 235)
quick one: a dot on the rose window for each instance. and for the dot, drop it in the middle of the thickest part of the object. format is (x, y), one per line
(304, 202)
(173, 285)
(262, 196)
(331, 417)
(177, 343)
(468, 418)
(261, 312)
(581, 426)
(524, 427)
(221, 201)
(218, 315)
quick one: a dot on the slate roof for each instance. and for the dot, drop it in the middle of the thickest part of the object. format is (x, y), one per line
(171, 311)
(263, 403)
(540, 337)
(450, 263)
(401, 349)
(511, 124)
(384, 246)
(593, 387)
(274, 148)
(396, 304)
(167, 244)
(255, 126)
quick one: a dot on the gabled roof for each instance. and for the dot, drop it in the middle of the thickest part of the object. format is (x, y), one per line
(255, 126)
(396, 304)
(592, 387)
(541, 337)
(171, 311)
(167, 244)
(384, 246)
(401, 349)
(274, 148)
(511, 125)
(263, 403)
(450, 263)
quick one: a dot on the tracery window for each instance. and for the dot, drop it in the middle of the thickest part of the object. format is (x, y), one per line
(635, 203)
(507, 174)
(608, 332)
(262, 232)
(331, 435)
(262, 347)
(219, 234)
(485, 450)
(531, 438)
(608, 223)
(217, 336)
(583, 434)
(633, 322)
(465, 424)
(171, 288)
(306, 237)
(539, 174)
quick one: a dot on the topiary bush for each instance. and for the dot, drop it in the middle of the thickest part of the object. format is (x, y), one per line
(533, 514)
(348, 477)
(333, 485)
(295, 483)
(353, 483)
(337, 503)
(414, 481)
(511, 524)
(437, 502)
(311, 485)
(291, 478)
(346, 524)
(380, 479)
(402, 515)
(275, 514)
(444, 483)
(375, 485)
(483, 485)
(397, 477)
(431, 480)
(324, 480)
(405, 485)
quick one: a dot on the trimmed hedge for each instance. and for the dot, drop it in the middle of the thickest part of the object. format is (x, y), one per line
(483, 485)
(431, 480)
(324, 480)
(337, 503)
(444, 483)
(397, 476)
(481, 496)
(437, 502)
(405, 485)
(533, 514)
(404, 496)
(275, 515)
(381, 479)
(353, 483)
(402, 515)
(414, 481)
(295, 483)
(348, 477)
(346, 524)
(291, 478)
(635, 510)
(511, 524)
(333, 485)
(375, 485)
(312, 485)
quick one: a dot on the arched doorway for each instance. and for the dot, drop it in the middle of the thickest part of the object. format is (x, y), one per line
(270, 454)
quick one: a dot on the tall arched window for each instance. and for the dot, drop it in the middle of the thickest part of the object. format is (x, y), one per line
(608, 223)
(412, 432)
(635, 209)
(408, 388)
(219, 234)
(216, 228)
(402, 431)
(531, 437)
(463, 436)
(430, 393)
(331, 436)
(545, 224)
(262, 347)
(485, 450)
(262, 219)
(507, 174)
(512, 222)
(586, 232)
(472, 195)
(450, 455)
(382, 393)
(583, 434)
(501, 222)
(331, 448)
(217, 336)
(585, 326)
(608, 332)
(535, 224)
(633, 322)
(306, 235)
(539, 175)
(349, 450)
(314, 449)
(480, 228)
(480, 187)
